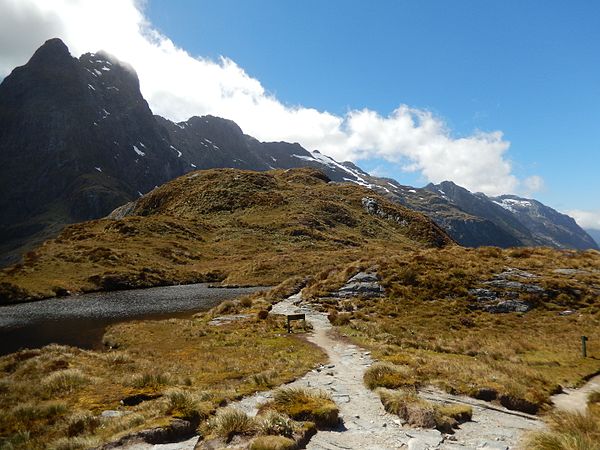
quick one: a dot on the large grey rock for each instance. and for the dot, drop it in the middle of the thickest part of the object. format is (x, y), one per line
(507, 306)
(424, 439)
(516, 285)
(363, 284)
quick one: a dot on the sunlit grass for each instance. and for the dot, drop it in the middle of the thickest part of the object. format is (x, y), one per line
(179, 368)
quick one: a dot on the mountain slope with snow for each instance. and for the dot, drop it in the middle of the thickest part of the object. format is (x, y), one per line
(77, 139)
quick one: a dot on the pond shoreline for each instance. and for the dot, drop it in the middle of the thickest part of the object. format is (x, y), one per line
(81, 320)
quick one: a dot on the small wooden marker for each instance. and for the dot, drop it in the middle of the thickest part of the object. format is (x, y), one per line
(291, 317)
(584, 346)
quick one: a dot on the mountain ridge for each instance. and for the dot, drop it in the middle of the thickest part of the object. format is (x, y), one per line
(77, 139)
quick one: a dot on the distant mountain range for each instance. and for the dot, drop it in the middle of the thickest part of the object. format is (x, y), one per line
(595, 234)
(77, 140)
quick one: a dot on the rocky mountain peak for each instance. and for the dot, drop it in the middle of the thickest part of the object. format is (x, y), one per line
(53, 51)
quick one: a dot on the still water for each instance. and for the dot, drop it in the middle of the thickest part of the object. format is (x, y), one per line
(82, 319)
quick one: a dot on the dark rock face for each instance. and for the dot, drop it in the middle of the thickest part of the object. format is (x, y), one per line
(69, 130)
(210, 142)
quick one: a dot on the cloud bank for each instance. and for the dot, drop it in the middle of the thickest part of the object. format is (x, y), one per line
(589, 220)
(178, 85)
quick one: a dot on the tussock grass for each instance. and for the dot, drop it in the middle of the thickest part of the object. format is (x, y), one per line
(305, 404)
(150, 380)
(264, 379)
(64, 381)
(230, 422)
(388, 375)
(177, 368)
(568, 431)
(274, 423)
(187, 405)
(74, 443)
(82, 422)
(421, 413)
(593, 397)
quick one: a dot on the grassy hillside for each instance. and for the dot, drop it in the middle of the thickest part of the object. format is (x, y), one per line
(221, 225)
(430, 327)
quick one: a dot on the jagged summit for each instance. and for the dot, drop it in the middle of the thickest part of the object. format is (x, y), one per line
(53, 51)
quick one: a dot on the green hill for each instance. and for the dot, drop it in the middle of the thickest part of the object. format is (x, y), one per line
(221, 225)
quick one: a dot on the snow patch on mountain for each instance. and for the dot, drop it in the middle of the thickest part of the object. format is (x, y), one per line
(138, 151)
(510, 204)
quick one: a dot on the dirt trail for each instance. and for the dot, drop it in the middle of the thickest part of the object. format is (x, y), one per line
(366, 425)
(575, 400)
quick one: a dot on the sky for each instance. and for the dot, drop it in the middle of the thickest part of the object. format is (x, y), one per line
(498, 96)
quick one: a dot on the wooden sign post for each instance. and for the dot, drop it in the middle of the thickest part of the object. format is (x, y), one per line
(584, 346)
(291, 317)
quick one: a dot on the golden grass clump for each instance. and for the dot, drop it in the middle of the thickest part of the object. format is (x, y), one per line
(568, 431)
(305, 404)
(421, 413)
(64, 381)
(187, 405)
(230, 422)
(387, 375)
(272, 443)
(274, 423)
(74, 443)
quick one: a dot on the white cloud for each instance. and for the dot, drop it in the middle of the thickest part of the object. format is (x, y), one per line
(533, 183)
(586, 219)
(178, 85)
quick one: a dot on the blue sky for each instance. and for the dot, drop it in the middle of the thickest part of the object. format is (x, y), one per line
(530, 69)
(499, 96)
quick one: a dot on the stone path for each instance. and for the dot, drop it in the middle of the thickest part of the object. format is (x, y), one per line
(366, 425)
(575, 400)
